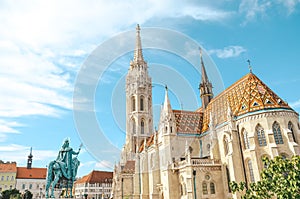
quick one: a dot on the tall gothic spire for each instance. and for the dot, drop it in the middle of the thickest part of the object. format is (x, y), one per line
(205, 86)
(167, 105)
(203, 71)
(138, 53)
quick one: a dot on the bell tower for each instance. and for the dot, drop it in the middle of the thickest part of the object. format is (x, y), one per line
(139, 119)
(29, 160)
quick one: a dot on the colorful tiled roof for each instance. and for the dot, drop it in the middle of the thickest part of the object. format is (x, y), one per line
(8, 167)
(188, 121)
(149, 142)
(96, 177)
(246, 95)
(33, 173)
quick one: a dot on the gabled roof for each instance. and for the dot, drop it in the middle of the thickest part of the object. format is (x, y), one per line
(248, 94)
(96, 177)
(188, 121)
(8, 167)
(33, 173)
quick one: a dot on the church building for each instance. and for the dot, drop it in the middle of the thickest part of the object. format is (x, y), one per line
(195, 154)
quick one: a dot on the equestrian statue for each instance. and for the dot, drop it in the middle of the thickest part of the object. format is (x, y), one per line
(63, 169)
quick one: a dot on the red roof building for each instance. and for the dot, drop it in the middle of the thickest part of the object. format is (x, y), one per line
(7, 176)
(32, 179)
(97, 184)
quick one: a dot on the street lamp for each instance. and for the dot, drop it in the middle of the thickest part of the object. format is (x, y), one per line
(194, 177)
(122, 188)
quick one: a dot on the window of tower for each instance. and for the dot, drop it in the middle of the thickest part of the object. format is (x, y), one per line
(277, 133)
(133, 103)
(133, 126)
(226, 147)
(204, 188)
(212, 188)
(141, 103)
(142, 127)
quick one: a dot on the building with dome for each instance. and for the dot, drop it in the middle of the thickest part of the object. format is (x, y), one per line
(195, 154)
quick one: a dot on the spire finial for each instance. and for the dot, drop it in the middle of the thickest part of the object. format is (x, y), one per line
(250, 67)
(138, 54)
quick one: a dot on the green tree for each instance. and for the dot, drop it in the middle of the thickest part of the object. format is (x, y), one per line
(13, 193)
(280, 178)
(27, 194)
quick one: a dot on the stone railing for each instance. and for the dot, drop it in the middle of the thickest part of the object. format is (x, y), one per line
(196, 162)
(199, 161)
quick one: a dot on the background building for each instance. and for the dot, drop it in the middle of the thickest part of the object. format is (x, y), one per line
(8, 173)
(97, 185)
(31, 179)
(195, 154)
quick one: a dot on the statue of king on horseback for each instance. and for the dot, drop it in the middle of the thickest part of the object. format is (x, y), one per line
(64, 168)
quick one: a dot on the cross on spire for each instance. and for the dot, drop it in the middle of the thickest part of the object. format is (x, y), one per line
(250, 67)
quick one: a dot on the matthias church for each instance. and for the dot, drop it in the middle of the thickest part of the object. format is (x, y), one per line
(195, 154)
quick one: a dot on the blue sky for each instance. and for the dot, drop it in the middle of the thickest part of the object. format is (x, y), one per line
(44, 45)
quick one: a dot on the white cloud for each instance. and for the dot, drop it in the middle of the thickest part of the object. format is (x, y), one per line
(227, 52)
(253, 8)
(104, 165)
(289, 4)
(295, 104)
(43, 44)
(19, 153)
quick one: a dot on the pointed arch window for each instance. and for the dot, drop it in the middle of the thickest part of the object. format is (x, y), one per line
(277, 133)
(208, 149)
(142, 103)
(204, 188)
(260, 135)
(290, 127)
(225, 143)
(142, 127)
(251, 174)
(133, 103)
(246, 139)
(133, 126)
(212, 188)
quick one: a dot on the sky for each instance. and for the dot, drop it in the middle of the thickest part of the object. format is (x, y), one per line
(46, 48)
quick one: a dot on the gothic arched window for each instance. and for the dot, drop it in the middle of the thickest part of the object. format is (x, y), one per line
(133, 126)
(133, 103)
(142, 127)
(225, 143)
(246, 139)
(141, 103)
(212, 188)
(277, 133)
(204, 188)
(260, 135)
(290, 127)
(251, 174)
